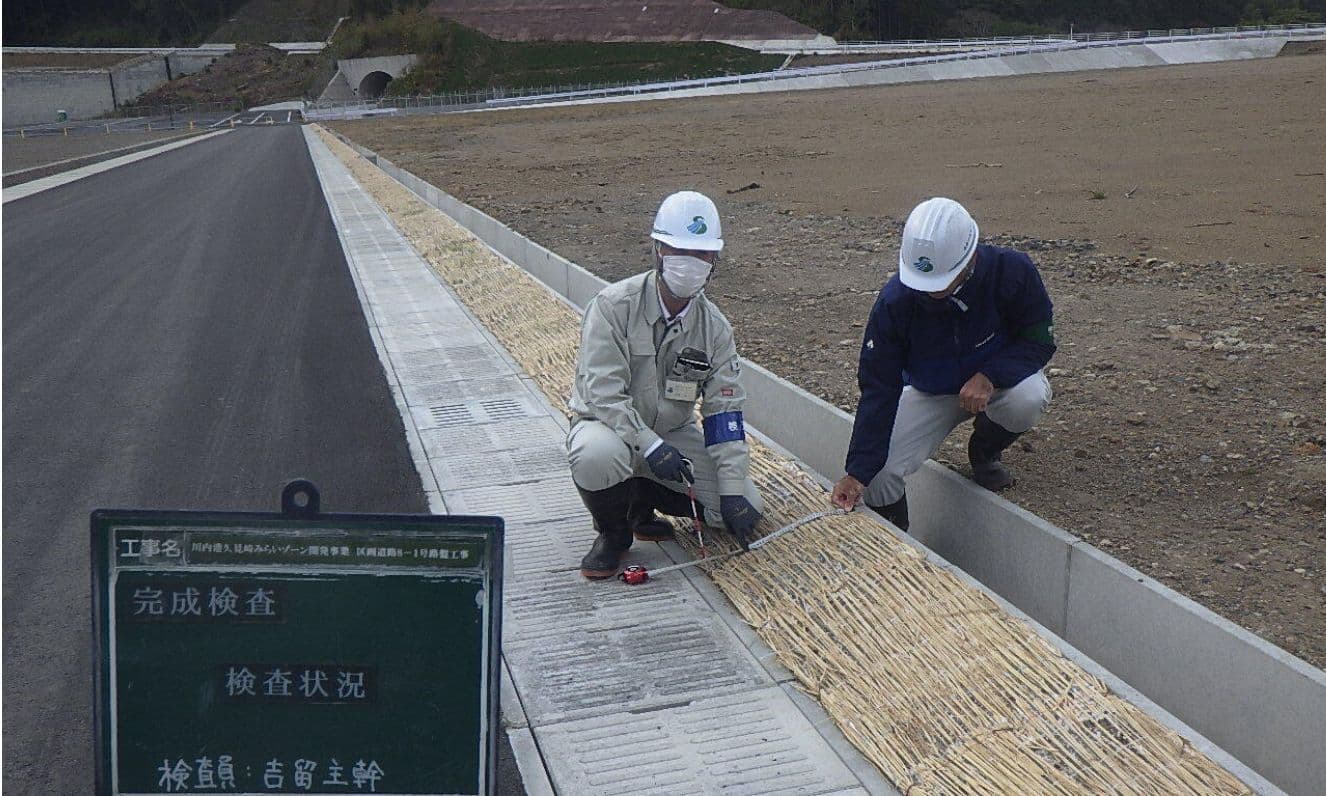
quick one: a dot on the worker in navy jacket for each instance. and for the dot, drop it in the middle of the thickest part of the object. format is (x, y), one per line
(962, 330)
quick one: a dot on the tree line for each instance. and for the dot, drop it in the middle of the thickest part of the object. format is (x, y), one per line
(112, 23)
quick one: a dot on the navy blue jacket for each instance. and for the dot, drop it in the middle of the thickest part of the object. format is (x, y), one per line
(999, 323)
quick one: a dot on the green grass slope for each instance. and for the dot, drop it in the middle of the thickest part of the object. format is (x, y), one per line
(455, 58)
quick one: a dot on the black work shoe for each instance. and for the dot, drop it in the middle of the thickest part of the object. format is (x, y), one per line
(984, 451)
(895, 512)
(609, 508)
(603, 559)
(653, 531)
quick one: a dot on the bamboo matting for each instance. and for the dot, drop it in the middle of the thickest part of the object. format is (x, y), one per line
(931, 681)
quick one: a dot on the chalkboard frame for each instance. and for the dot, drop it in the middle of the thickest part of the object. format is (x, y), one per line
(300, 512)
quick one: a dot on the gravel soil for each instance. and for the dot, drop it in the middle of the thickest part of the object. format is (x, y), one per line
(1175, 213)
(33, 151)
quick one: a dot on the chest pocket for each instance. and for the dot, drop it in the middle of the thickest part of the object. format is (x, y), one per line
(685, 378)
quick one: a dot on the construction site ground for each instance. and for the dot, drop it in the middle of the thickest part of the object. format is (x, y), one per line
(1175, 214)
(53, 148)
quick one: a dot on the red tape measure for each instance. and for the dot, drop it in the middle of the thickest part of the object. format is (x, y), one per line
(634, 575)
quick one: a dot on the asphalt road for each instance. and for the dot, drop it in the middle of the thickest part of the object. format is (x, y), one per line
(181, 332)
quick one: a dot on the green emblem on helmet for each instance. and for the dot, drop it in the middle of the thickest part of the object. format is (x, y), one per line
(697, 226)
(924, 265)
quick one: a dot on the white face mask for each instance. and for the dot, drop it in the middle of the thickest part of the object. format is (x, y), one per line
(685, 275)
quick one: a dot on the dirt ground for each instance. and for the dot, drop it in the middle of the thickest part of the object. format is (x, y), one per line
(1176, 215)
(33, 151)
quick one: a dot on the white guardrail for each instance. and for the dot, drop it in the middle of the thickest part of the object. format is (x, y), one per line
(495, 98)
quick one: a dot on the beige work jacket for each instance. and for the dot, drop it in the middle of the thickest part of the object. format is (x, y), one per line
(628, 376)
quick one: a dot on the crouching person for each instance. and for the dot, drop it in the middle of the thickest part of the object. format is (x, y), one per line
(651, 346)
(962, 331)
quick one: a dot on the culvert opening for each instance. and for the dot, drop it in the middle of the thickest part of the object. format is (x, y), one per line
(374, 85)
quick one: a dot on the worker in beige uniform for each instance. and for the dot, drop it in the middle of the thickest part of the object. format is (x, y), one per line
(651, 346)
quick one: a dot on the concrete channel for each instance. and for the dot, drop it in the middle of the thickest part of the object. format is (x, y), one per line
(1255, 708)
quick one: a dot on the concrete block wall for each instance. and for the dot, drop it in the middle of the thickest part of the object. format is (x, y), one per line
(32, 96)
(1254, 701)
(135, 78)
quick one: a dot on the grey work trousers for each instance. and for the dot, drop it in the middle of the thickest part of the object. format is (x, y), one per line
(925, 419)
(601, 459)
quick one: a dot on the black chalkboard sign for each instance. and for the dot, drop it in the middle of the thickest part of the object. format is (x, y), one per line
(297, 652)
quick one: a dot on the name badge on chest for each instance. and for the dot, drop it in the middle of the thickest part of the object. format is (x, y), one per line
(679, 390)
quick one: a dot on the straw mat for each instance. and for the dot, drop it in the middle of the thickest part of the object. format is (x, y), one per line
(926, 675)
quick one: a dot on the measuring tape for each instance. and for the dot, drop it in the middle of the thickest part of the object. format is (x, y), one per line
(635, 575)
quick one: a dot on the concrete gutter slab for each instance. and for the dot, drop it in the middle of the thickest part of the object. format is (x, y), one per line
(590, 664)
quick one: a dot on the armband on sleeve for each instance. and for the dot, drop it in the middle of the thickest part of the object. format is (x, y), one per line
(724, 427)
(1042, 332)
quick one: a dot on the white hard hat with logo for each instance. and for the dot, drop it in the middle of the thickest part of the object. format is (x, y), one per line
(937, 243)
(688, 220)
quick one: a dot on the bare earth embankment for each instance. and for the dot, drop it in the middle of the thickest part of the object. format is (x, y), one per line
(1176, 214)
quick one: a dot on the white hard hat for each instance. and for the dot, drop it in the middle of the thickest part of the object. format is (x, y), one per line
(688, 220)
(937, 243)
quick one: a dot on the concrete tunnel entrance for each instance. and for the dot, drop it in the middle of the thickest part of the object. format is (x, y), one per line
(373, 85)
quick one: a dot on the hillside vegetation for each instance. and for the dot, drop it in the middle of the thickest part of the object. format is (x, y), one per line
(455, 58)
(282, 20)
(254, 74)
(114, 23)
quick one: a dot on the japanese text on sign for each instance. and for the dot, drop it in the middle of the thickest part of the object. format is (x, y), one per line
(203, 774)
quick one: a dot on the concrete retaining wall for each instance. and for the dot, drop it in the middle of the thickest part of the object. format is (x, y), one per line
(32, 96)
(354, 70)
(1250, 698)
(1046, 60)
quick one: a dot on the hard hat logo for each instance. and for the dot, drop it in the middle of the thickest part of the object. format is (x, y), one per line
(938, 241)
(689, 221)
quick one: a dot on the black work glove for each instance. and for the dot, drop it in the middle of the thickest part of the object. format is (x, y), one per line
(740, 517)
(667, 463)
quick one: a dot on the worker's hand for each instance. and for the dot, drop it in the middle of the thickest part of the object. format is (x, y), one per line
(847, 493)
(667, 463)
(975, 394)
(739, 516)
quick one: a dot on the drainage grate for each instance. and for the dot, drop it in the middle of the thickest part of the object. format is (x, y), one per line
(451, 415)
(518, 406)
(502, 409)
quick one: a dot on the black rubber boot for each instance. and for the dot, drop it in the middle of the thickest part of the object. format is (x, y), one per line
(644, 523)
(984, 449)
(895, 512)
(609, 508)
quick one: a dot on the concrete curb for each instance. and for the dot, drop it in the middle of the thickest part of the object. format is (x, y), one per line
(1251, 706)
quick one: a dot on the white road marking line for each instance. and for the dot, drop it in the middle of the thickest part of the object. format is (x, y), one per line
(223, 121)
(55, 181)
